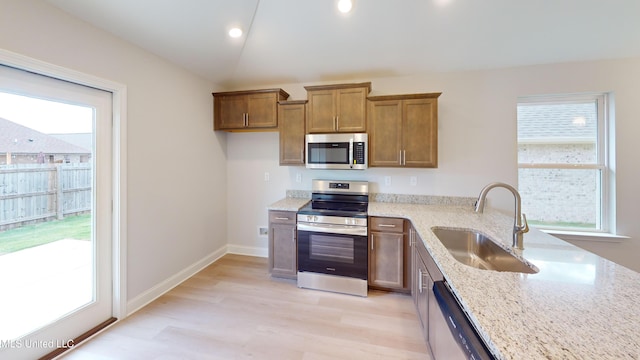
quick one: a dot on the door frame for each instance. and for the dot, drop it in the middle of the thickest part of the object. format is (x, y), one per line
(119, 161)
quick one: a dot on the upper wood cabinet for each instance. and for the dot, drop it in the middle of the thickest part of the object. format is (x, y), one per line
(255, 110)
(337, 108)
(403, 130)
(291, 122)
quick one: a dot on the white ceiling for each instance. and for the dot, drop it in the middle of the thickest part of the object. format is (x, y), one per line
(297, 41)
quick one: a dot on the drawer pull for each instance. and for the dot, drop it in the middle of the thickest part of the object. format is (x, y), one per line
(282, 218)
(387, 225)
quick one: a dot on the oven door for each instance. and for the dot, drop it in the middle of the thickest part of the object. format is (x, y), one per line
(333, 249)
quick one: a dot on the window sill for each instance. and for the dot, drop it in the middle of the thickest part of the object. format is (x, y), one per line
(586, 236)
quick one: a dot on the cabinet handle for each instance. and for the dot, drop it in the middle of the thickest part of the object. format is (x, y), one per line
(247, 121)
(371, 242)
(282, 218)
(404, 157)
(420, 280)
(337, 122)
(387, 225)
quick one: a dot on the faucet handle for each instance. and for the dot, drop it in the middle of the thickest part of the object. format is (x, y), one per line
(525, 227)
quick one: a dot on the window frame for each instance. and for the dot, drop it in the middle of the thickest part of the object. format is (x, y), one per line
(605, 219)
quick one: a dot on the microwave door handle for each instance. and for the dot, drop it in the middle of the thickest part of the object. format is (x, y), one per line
(351, 153)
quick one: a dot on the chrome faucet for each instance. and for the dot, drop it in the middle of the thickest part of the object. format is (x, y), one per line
(520, 225)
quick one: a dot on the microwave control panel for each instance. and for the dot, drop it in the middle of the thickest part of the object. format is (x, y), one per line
(358, 152)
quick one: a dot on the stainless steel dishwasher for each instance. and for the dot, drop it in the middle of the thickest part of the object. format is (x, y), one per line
(453, 336)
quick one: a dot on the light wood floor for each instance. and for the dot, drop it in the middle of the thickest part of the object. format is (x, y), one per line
(234, 310)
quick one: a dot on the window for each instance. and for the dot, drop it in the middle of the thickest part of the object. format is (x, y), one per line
(563, 164)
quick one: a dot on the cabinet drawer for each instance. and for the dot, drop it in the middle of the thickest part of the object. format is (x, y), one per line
(386, 224)
(282, 217)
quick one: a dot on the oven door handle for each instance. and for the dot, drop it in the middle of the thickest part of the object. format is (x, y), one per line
(333, 229)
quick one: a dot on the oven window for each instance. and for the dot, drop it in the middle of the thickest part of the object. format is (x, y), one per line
(333, 153)
(331, 248)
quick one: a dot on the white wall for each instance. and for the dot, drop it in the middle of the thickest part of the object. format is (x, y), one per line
(477, 145)
(176, 163)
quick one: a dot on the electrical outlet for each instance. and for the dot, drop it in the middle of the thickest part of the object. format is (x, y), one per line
(263, 231)
(413, 180)
(298, 178)
(387, 180)
(266, 176)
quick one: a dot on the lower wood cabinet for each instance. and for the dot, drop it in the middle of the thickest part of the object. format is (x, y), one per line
(389, 254)
(424, 272)
(283, 244)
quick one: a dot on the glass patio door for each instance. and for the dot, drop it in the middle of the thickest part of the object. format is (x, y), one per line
(55, 212)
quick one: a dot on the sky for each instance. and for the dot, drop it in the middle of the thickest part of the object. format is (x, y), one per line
(46, 116)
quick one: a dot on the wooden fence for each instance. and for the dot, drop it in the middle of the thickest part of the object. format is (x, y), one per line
(30, 193)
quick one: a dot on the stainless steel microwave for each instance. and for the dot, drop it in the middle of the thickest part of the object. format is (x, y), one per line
(336, 151)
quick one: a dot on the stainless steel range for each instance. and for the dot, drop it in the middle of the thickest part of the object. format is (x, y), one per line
(332, 238)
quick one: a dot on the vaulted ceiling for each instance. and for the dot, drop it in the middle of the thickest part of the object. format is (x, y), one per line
(297, 41)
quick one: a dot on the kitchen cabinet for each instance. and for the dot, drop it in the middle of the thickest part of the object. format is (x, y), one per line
(424, 271)
(283, 244)
(255, 110)
(291, 122)
(337, 108)
(403, 130)
(388, 254)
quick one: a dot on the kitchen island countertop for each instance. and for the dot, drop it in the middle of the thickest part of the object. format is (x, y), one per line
(578, 306)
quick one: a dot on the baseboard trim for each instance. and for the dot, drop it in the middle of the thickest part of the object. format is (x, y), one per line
(155, 292)
(247, 250)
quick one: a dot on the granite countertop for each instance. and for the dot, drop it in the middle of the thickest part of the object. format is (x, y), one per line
(578, 306)
(289, 204)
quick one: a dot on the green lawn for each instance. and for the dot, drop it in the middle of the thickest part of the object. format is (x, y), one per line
(572, 225)
(72, 227)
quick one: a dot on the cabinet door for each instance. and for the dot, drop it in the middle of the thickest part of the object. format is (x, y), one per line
(232, 111)
(385, 133)
(262, 110)
(321, 111)
(351, 110)
(291, 120)
(386, 267)
(283, 244)
(284, 250)
(422, 283)
(420, 133)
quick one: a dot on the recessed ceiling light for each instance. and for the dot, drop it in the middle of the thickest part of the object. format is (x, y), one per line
(235, 32)
(345, 6)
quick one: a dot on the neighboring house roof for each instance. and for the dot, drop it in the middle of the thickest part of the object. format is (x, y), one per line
(84, 140)
(568, 122)
(18, 139)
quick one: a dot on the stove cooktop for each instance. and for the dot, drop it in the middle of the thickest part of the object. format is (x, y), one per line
(335, 209)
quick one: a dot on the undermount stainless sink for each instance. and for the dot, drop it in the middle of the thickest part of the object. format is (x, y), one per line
(476, 250)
